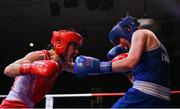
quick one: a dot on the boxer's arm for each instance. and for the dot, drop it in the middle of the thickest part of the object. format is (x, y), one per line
(12, 69)
(138, 46)
(127, 74)
(44, 68)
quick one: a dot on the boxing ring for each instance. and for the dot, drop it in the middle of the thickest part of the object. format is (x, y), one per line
(49, 98)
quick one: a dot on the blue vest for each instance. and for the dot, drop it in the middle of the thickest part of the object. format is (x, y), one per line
(154, 66)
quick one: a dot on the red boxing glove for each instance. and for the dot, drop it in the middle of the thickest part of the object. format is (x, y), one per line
(45, 68)
(120, 56)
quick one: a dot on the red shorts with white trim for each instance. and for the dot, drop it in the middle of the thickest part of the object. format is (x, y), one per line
(12, 104)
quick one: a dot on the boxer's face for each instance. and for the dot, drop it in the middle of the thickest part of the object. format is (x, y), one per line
(72, 51)
(124, 43)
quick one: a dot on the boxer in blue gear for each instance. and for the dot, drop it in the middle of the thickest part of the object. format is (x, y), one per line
(125, 28)
(149, 61)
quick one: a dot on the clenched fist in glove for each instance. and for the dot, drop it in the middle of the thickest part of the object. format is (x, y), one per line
(45, 68)
(116, 50)
(85, 65)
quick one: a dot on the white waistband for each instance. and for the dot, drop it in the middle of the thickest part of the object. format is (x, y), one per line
(152, 89)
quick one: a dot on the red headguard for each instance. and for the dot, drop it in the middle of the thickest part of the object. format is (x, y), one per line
(61, 39)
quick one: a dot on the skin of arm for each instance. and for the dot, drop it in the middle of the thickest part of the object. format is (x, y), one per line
(12, 69)
(138, 46)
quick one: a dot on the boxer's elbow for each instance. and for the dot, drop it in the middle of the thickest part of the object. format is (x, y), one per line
(10, 71)
(7, 71)
(131, 64)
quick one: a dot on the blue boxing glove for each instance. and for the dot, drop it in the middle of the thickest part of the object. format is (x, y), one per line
(116, 50)
(85, 65)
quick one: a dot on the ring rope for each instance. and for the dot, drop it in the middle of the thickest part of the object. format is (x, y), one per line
(90, 94)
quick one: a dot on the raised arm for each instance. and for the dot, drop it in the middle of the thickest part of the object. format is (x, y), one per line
(13, 69)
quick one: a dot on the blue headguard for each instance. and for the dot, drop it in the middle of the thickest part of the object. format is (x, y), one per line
(124, 28)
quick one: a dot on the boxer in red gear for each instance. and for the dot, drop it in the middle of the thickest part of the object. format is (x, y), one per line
(36, 73)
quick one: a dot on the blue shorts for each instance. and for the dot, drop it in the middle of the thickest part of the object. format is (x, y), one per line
(134, 99)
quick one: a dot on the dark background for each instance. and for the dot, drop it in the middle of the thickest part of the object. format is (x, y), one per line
(26, 21)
